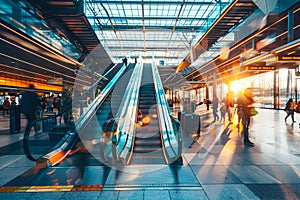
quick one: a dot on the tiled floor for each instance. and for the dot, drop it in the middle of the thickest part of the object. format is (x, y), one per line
(216, 166)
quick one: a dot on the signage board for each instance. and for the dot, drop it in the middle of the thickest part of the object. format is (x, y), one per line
(295, 58)
(55, 81)
(258, 68)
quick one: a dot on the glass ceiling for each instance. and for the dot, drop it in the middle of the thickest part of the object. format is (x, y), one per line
(165, 29)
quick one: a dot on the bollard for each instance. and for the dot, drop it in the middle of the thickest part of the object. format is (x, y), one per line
(15, 119)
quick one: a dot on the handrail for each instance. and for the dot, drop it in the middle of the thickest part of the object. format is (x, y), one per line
(85, 116)
(99, 99)
(128, 115)
(170, 138)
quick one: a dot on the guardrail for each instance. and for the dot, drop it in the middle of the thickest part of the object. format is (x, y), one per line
(122, 141)
(169, 126)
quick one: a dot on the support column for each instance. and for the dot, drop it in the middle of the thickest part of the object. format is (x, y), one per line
(275, 94)
(290, 25)
(191, 52)
(172, 93)
(288, 84)
(214, 85)
(207, 90)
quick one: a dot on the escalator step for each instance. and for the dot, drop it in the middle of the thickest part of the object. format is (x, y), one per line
(148, 142)
(148, 129)
(147, 135)
(147, 102)
(144, 94)
(155, 154)
(148, 160)
(146, 149)
(145, 106)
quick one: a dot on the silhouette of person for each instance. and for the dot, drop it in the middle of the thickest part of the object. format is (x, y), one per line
(215, 105)
(29, 104)
(229, 103)
(50, 104)
(245, 100)
(207, 102)
(125, 61)
(223, 112)
(290, 109)
(6, 106)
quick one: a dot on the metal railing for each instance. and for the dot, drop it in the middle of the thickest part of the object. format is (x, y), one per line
(128, 114)
(62, 146)
(169, 127)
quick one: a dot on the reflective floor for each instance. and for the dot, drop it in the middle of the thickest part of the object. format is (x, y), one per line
(215, 166)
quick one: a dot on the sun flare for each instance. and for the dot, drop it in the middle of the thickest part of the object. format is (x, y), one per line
(236, 86)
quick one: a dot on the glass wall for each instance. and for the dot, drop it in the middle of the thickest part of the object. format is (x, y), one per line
(270, 93)
(270, 89)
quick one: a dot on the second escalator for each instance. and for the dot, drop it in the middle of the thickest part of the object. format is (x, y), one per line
(147, 143)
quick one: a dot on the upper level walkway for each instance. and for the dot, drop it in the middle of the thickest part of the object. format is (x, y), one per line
(216, 166)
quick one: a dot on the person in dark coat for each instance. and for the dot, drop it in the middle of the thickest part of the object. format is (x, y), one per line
(215, 105)
(6, 106)
(290, 109)
(125, 61)
(245, 100)
(29, 104)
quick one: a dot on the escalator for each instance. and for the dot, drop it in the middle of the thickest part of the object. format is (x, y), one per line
(147, 143)
(82, 164)
(102, 126)
(85, 152)
(38, 146)
(113, 100)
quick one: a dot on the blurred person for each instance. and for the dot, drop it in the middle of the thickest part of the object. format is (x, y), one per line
(6, 106)
(229, 103)
(237, 112)
(245, 100)
(223, 112)
(29, 104)
(59, 104)
(290, 109)
(13, 103)
(50, 104)
(125, 60)
(207, 102)
(215, 105)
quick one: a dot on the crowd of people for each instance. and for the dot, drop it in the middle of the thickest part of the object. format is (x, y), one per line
(240, 106)
(240, 109)
(50, 104)
(30, 103)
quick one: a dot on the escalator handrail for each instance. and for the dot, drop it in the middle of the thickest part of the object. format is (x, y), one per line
(82, 121)
(69, 106)
(169, 133)
(30, 126)
(99, 99)
(91, 88)
(127, 118)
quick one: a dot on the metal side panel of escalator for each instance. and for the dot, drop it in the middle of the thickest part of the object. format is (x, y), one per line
(99, 129)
